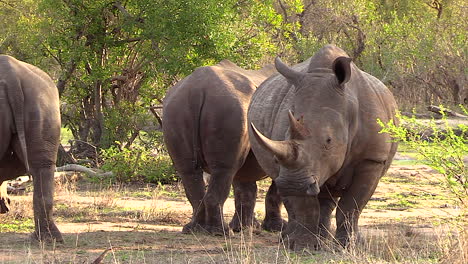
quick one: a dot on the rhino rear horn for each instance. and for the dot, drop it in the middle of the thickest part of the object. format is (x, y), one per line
(282, 150)
(342, 69)
(293, 76)
(296, 127)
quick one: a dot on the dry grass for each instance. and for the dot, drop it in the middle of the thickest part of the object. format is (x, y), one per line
(141, 224)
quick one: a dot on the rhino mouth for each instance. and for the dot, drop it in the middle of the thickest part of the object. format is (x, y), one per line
(309, 189)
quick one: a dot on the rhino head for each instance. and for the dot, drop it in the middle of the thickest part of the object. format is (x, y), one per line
(318, 135)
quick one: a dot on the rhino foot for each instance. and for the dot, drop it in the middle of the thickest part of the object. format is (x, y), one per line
(52, 236)
(218, 230)
(297, 237)
(346, 241)
(274, 224)
(299, 241)
(212, 230)
(236, 226)
(192, 228)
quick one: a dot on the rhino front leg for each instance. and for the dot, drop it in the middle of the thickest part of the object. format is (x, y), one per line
(327, 205)
(302, 229)
(43, 200)
(4, 200)
(245, 195)
(355, 199)
(273, 220)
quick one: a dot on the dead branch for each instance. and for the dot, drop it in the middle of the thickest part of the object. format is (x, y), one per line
(447, 112)
(64, 157)
(15, 190)
(79, 168)
(153, 111)
(102, 256)
(122, 9)
(421, 116)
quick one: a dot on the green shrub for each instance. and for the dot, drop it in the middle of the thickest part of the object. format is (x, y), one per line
(441, 146)
(138, 164)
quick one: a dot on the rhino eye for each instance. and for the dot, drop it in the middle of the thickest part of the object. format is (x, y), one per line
(328, 146)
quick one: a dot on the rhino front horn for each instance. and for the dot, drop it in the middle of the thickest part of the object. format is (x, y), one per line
(283, 150)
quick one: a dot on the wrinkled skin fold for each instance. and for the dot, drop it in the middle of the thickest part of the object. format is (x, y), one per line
(205, 130)
(314, 130)
(29, 134)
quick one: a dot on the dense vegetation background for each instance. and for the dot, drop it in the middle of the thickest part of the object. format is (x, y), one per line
(114, 60)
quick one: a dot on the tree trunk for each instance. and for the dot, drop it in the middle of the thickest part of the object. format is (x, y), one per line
(98, 122)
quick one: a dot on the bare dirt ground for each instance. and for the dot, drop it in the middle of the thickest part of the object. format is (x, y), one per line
(411, 218)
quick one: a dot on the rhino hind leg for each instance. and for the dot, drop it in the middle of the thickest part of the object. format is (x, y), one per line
(217, 193)
(194, 185)
(45, 228)
(273, 221)
(245, 194)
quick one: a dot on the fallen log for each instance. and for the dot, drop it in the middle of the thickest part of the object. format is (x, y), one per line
(445, 111)
(15, 190)
(17, 186)
(422, 116)
(80, 168)
(426, 131)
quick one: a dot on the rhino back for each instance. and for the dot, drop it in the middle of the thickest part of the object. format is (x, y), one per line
(34, 103)
(40, 93)
(256, 76)
(206, 114)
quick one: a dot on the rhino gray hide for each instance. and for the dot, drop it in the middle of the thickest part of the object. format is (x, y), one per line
(314, 131)
(29, 137)
(205, 129)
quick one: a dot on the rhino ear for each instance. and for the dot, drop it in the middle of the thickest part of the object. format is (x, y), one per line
(342, 69)
(293, 76)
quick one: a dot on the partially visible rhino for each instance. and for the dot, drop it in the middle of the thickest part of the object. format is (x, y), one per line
(205, 129)
(314, 130)
(29, 137)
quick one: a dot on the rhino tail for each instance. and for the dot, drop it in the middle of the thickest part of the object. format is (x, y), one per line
(16, 99)
(197, 102)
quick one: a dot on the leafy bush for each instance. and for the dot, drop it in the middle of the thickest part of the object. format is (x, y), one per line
(443, 147)
(138, 163)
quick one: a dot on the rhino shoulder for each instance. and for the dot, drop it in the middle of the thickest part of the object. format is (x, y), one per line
(256, 76)
(6, 58)
(228, 65)
(6, 63)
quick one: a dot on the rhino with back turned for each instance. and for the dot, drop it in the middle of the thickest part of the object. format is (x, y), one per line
(205, 129)
(29, 138)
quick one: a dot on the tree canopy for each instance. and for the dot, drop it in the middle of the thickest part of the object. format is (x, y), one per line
(113, 60)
